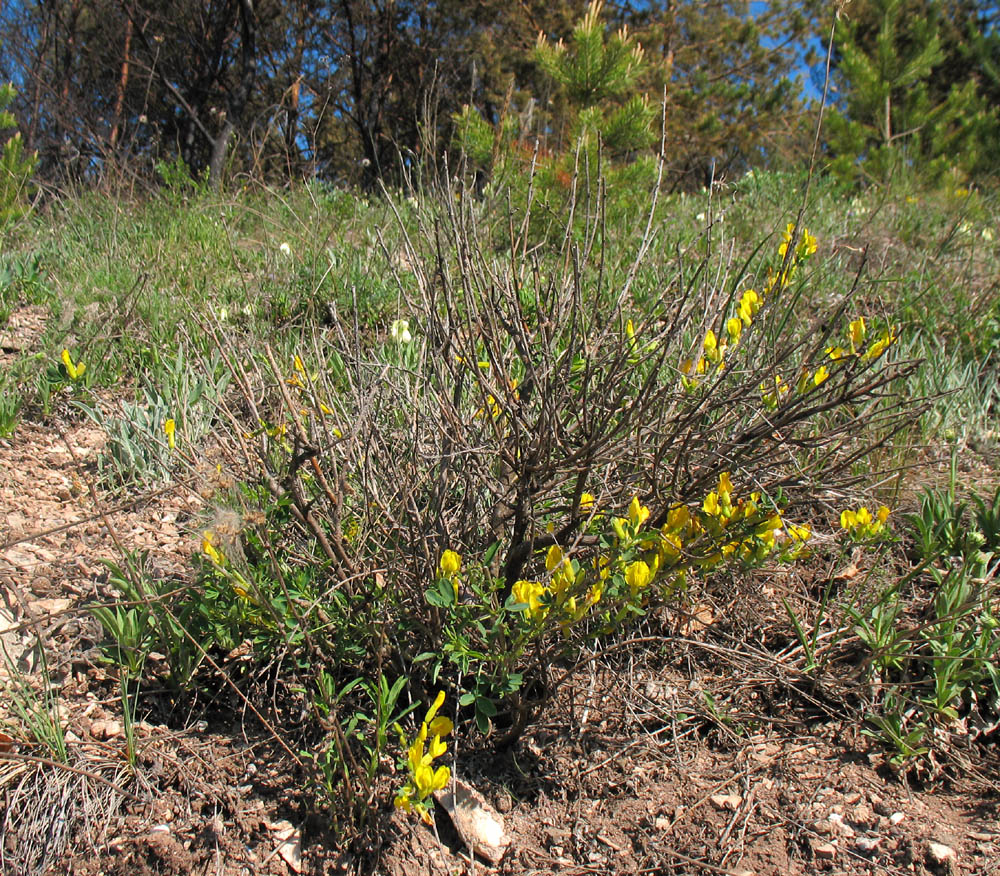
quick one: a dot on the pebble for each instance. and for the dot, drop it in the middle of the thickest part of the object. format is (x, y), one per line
(824, 851)
(867, 844)
(940, 854)
(840, 826)
(726, 801)
(896, 818)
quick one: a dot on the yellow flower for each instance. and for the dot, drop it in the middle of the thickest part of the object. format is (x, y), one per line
(711, 504)
(822, 373)
(786, 239)
(714, 351)
(449, 565)
(734, 328)
(586, 503)
(427, 781)
(562, 577)
(75, 372)
(679, 517)
(169, 427)
(798, 532)
(749, 305)
(433, 710)
(209, 549)
(637, 576)
(725, 483)
(807, 246)
(637, 512)
(530, 593)
(836, 353)
(857, 333)
(881, 345)
(553, 558)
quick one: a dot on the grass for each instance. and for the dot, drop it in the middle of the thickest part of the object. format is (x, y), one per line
(540, 423)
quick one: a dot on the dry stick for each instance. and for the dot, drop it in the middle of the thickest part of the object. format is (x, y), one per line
(334, 552)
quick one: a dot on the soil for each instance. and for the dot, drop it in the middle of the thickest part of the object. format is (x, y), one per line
(687, 753)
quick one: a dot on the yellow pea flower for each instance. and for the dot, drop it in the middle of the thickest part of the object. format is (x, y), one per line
(888, 338)
(786, 239)
(749, 305)
(75, 371)
(734, 328)
(857, 332)
(169, 428)
(209, 549)
(637, 512)
(725, 483)
(553, 558)
(713, 350)
(637, 576)
(449, 566)
(435, 706)
(679, 517)
(530, 593)
(798, 532)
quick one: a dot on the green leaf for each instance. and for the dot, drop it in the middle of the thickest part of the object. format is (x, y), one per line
(486, 706)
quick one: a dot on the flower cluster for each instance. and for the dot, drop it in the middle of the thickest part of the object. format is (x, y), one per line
(714, 348)
(301, 381)
(861, 524)
(425, 778)
(637, 556)
(857, 336)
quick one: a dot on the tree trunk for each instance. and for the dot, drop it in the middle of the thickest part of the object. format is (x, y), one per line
(238, 102)
(122, 83)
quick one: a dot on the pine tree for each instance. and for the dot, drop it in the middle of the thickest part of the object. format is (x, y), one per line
(897, 107)
(599, 75)
(16, 168)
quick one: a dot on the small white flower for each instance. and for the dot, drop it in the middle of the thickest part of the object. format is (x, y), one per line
(987, 234)
(400, 331)
(285, 249)
(223, 313)
(700, 217)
